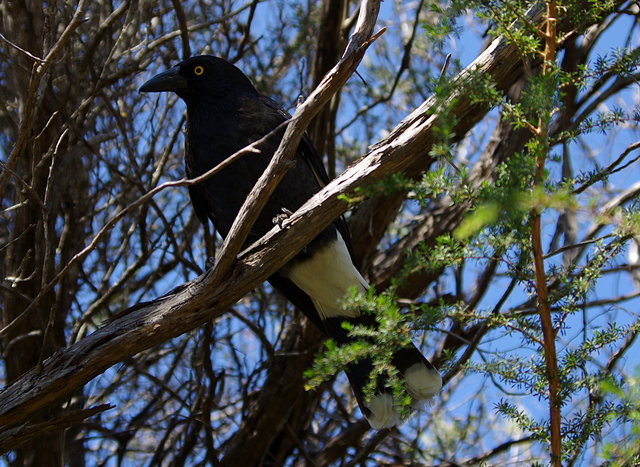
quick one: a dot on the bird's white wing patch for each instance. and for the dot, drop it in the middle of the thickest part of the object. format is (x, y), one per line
(326, 277)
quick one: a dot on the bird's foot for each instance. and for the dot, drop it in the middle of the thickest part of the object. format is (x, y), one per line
(283, 216)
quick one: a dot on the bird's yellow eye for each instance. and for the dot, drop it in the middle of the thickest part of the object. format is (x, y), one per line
(198, 70)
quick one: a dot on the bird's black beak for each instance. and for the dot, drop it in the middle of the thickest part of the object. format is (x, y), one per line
(170, 80)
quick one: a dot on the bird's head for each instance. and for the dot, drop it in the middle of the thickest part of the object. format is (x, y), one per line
(198, 77)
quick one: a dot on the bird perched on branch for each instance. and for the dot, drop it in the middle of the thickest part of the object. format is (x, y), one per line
(225, 114)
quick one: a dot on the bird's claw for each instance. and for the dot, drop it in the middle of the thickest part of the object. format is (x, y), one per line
(283, 216)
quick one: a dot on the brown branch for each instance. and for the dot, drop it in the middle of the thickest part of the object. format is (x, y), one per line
(17, 47)
(329, 45)
(280, 398)
(38, 71)
(549, 335)
(482, 458)
(334, 449)
(544, 309)
(184, 28)
(11, 439)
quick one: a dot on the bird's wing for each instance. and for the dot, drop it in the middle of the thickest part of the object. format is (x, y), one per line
(305, 149)
(295, 295)
(200, 205)
(307, 152)
(199, 202)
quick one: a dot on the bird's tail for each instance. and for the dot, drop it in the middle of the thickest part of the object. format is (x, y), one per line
(324, 279)
(420, 378)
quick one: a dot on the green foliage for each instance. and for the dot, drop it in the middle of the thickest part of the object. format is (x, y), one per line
(446, 24)
(529, 375)
(431, 258)
(505, 204)
(625, 415)
(536, 104)
(392, 331)
(388, 186)
(497, 228)
(619, 62)
(521, 419)
(509, 19)
(482, 89)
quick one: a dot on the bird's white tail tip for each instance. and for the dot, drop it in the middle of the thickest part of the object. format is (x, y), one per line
(383, 412)
(422, 383)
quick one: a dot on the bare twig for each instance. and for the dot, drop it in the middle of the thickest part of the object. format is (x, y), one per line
(109, 224)
(17, 47)
(13, 438)
(38, 71)
(184, 29)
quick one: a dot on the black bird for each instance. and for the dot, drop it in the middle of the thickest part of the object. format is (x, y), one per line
(226, 113)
